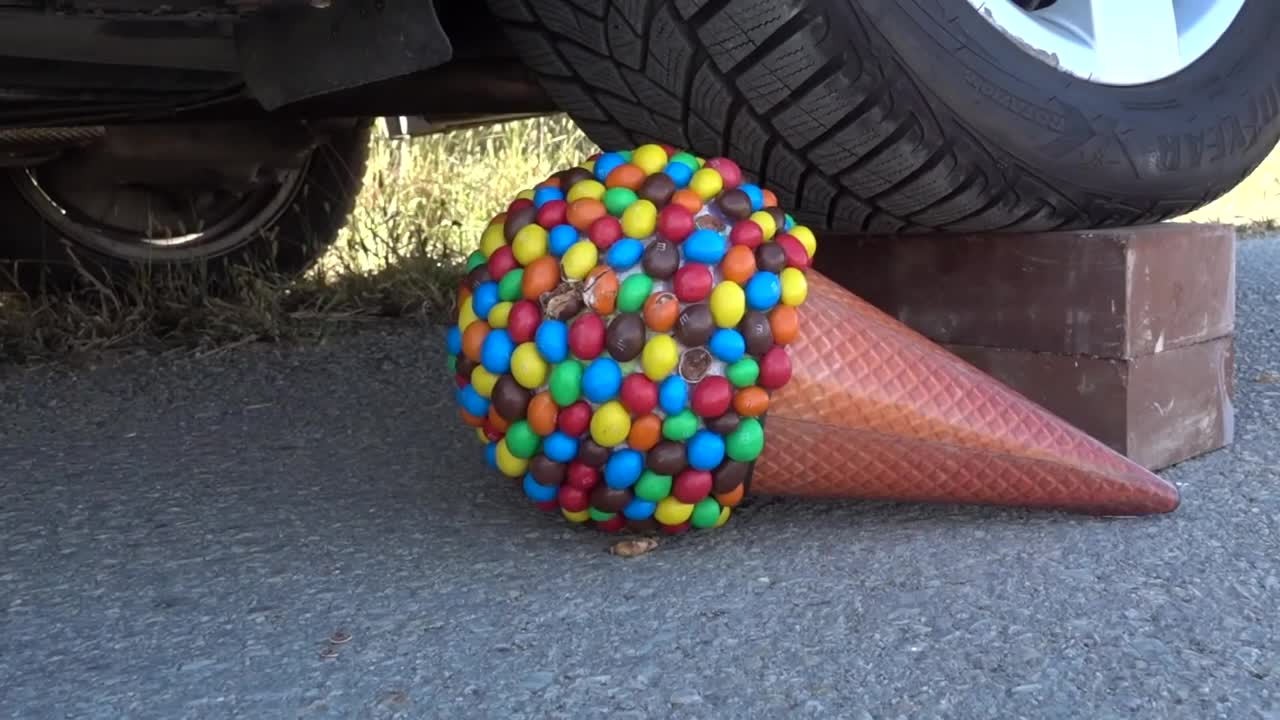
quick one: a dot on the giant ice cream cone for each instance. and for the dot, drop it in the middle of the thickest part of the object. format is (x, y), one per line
(641, 342)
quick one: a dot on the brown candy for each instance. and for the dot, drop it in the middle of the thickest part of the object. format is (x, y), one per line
(771, 257)
(573, 176)
(709, 222)
(694, 363)
(646, 525)
(661, 259)
(517, 219)
(625, 338)
(757, 332)
(724, 424)
(658, 189)
(563, 302)
(510, 399)
(546, 471)
(478, 276)
(779, 218)
(695, 325)
(735, 204)
(610, 499)
(666, 458)
(592, 454)
(729, 475)
(466, 365)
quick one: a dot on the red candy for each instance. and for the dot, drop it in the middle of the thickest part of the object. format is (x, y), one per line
(573, 499)
(746, 232)
(548, 506)
(493, 433)
(462, 380)
(519, 203)
(639, 394)
(675, 529)
(605, 231)
(581, 476)
(728, 170)
(692, 282)
(613, 524)
(586, 336)
(691, 485)
(552, 213)
(575, 419)
(797, 256)
(775, 369)
(675, 223)
(501, 262)
(523, 321)
(712, 397)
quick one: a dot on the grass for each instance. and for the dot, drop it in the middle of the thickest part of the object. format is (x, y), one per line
(425, 202)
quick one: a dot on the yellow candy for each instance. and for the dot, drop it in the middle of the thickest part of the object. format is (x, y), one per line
(639, 219)
(728, 304)
(794, 287)
(499, 314)
(579, 516)
(610, 424)
(526, 194)
(586, 189)
(671, 511)
(806, 238)
(707, 183)
(529, 244)
(484, 439)
(660, 356)
(528, 367)
(724, 517)
(579, 259)
(492, 239)
(649, 158)
(766, 223)
(509, 464)
(466, 315)
(483, 380)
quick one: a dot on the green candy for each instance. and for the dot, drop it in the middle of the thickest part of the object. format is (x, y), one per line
(705, 513)
(566, 382)
(599, 515)
(522, 441)
(509, 285)
(633, 292)
(453, 363)
(626, 155)
(685, 158)
(790, 220)
(475, 260)
(652, 486)
(618, 199)
(744, 373)
(745, 443)
(681, 426)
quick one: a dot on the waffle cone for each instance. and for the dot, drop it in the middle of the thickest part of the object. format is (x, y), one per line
(874, 410)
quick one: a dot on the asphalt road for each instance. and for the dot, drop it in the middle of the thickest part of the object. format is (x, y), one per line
(180, 537)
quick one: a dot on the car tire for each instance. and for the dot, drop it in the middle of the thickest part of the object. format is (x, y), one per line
(891, 116)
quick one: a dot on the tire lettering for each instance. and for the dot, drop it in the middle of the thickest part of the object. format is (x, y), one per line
(1225, 138)
(1028, 111)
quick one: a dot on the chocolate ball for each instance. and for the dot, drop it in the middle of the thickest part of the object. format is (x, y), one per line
(644, 526)
(625, 337)
(466, 365)
(592, 454)
(610, 499)
(694, 364)
(695, 325)
(724, 424)
(667, 457)
(573, 176)
(478, 276)
(546, 471)
(517, 219)
(779, 218)
(658, 189)
(735, 204)
(562, 303)
(661, 259)
(510, 399)
(729, 475)
(756, 330)
(771, 257)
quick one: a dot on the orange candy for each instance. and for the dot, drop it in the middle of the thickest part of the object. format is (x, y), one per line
(553, 182)
(584, 211)
(784, 321)
(645, 433)
(751, 402)
(625, 175)
(661, 311)
(542, 275)
(731, 498)
(499, 219)
(739, 264)
(542, 414)
(498, 422)
(473, 339)
(602, 292)
(687, 199)
(770, 200)
(470, 419)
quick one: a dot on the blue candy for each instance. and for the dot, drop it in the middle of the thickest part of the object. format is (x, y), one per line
(561, 239)
(789, 222)
(705, 246)
(606, 163)
(639, 509)
(764, 289)
(538, 492)
(602, 380)
(491, 455)
(680, 173)
(623, 468)
(453, 340)
(560, 447)
(727, 345)
(472, 401)
(754, 193)
(552, 340)
(673, 394)
(706, 450)
(495, 353)
(483, 298)
(625, 253)
(544, 195)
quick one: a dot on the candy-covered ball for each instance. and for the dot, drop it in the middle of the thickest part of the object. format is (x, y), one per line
(620, 332)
